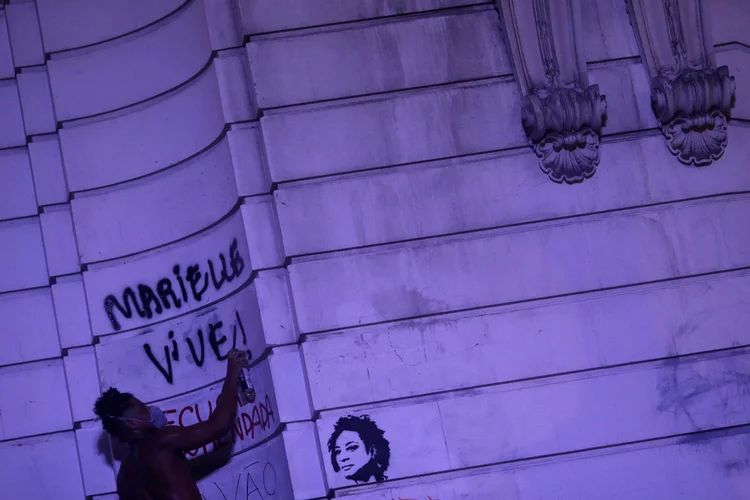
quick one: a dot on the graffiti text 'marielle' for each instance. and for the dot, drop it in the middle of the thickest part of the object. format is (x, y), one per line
(186, 285)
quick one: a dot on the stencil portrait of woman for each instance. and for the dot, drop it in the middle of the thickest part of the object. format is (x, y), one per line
(359, 449)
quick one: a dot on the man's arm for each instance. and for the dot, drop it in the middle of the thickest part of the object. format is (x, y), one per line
(220, 421)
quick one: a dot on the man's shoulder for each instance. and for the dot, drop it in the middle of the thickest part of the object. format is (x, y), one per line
(165, 440)
(159, 439)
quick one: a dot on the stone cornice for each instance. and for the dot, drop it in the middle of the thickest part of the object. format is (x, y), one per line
(690, 96)
(562, 113)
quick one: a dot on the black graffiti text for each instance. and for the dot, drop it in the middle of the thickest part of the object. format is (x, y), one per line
(255, 482)
(185, 285)
(213, 333)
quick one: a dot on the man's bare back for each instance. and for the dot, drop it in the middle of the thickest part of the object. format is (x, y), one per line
(156, 467)
(151, 472)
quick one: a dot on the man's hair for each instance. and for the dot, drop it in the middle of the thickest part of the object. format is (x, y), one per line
(109, 407)
(373, 439)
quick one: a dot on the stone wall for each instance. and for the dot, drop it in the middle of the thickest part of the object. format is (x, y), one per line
(347, 189)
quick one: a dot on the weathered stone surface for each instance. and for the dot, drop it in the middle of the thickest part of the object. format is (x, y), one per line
(169, 202)
(262, 16)
(543, 417)
(321, 64)
(520, 263)
(705, 466)
(129, 70)
(400, 128)
(22, 261)
(544, 338)
(31, 315)
(45, 407)
(178, 125)
(483, 192)
(55, 452)
(69, 25)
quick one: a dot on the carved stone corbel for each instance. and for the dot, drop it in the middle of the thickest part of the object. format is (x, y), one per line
(690, 96)
(562, 114)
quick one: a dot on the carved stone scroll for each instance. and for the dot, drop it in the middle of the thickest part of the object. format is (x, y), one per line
(562, 114)
(690, 96)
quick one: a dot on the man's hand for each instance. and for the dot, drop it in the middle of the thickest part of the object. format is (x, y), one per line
(219, 423)
(236, 361)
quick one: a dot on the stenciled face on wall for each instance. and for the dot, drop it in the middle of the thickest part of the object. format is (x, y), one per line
(359, 449)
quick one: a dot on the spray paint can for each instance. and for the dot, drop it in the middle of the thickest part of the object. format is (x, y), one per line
(245, 385)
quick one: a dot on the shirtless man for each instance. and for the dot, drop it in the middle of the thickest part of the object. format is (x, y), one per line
(156, 467)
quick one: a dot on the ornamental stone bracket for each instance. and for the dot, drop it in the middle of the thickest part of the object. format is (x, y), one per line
(690, 96)
(562, 114)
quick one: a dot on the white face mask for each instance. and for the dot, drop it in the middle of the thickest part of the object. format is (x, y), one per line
(157, 418)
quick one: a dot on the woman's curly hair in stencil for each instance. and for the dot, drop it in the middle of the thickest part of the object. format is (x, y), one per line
(375, 444)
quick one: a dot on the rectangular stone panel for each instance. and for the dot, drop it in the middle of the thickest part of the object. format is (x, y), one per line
(172, 204)
(517, 342)
(248, 159)
(305, 468)
(259, 16)
(502, 423)
(287, 366)
(28, 463)
(22, 260)
(145, 138)
(262, 230)
(489, 191)
(276, 308)
(521, 263)
(83, 382)
(222, 17)
(70, 307)
(36, 101)
(238, 100)
(67, 25)
(17, 197)
(12, 132)
(697, 468)
(366, 58)
(28, 331)
(25, 37)
(33, 399)
(49, 176)
(127, 70)
(7, 69)
(59, 240)
(399, 128)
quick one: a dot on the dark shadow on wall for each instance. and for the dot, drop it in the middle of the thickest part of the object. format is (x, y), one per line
(111, 449)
